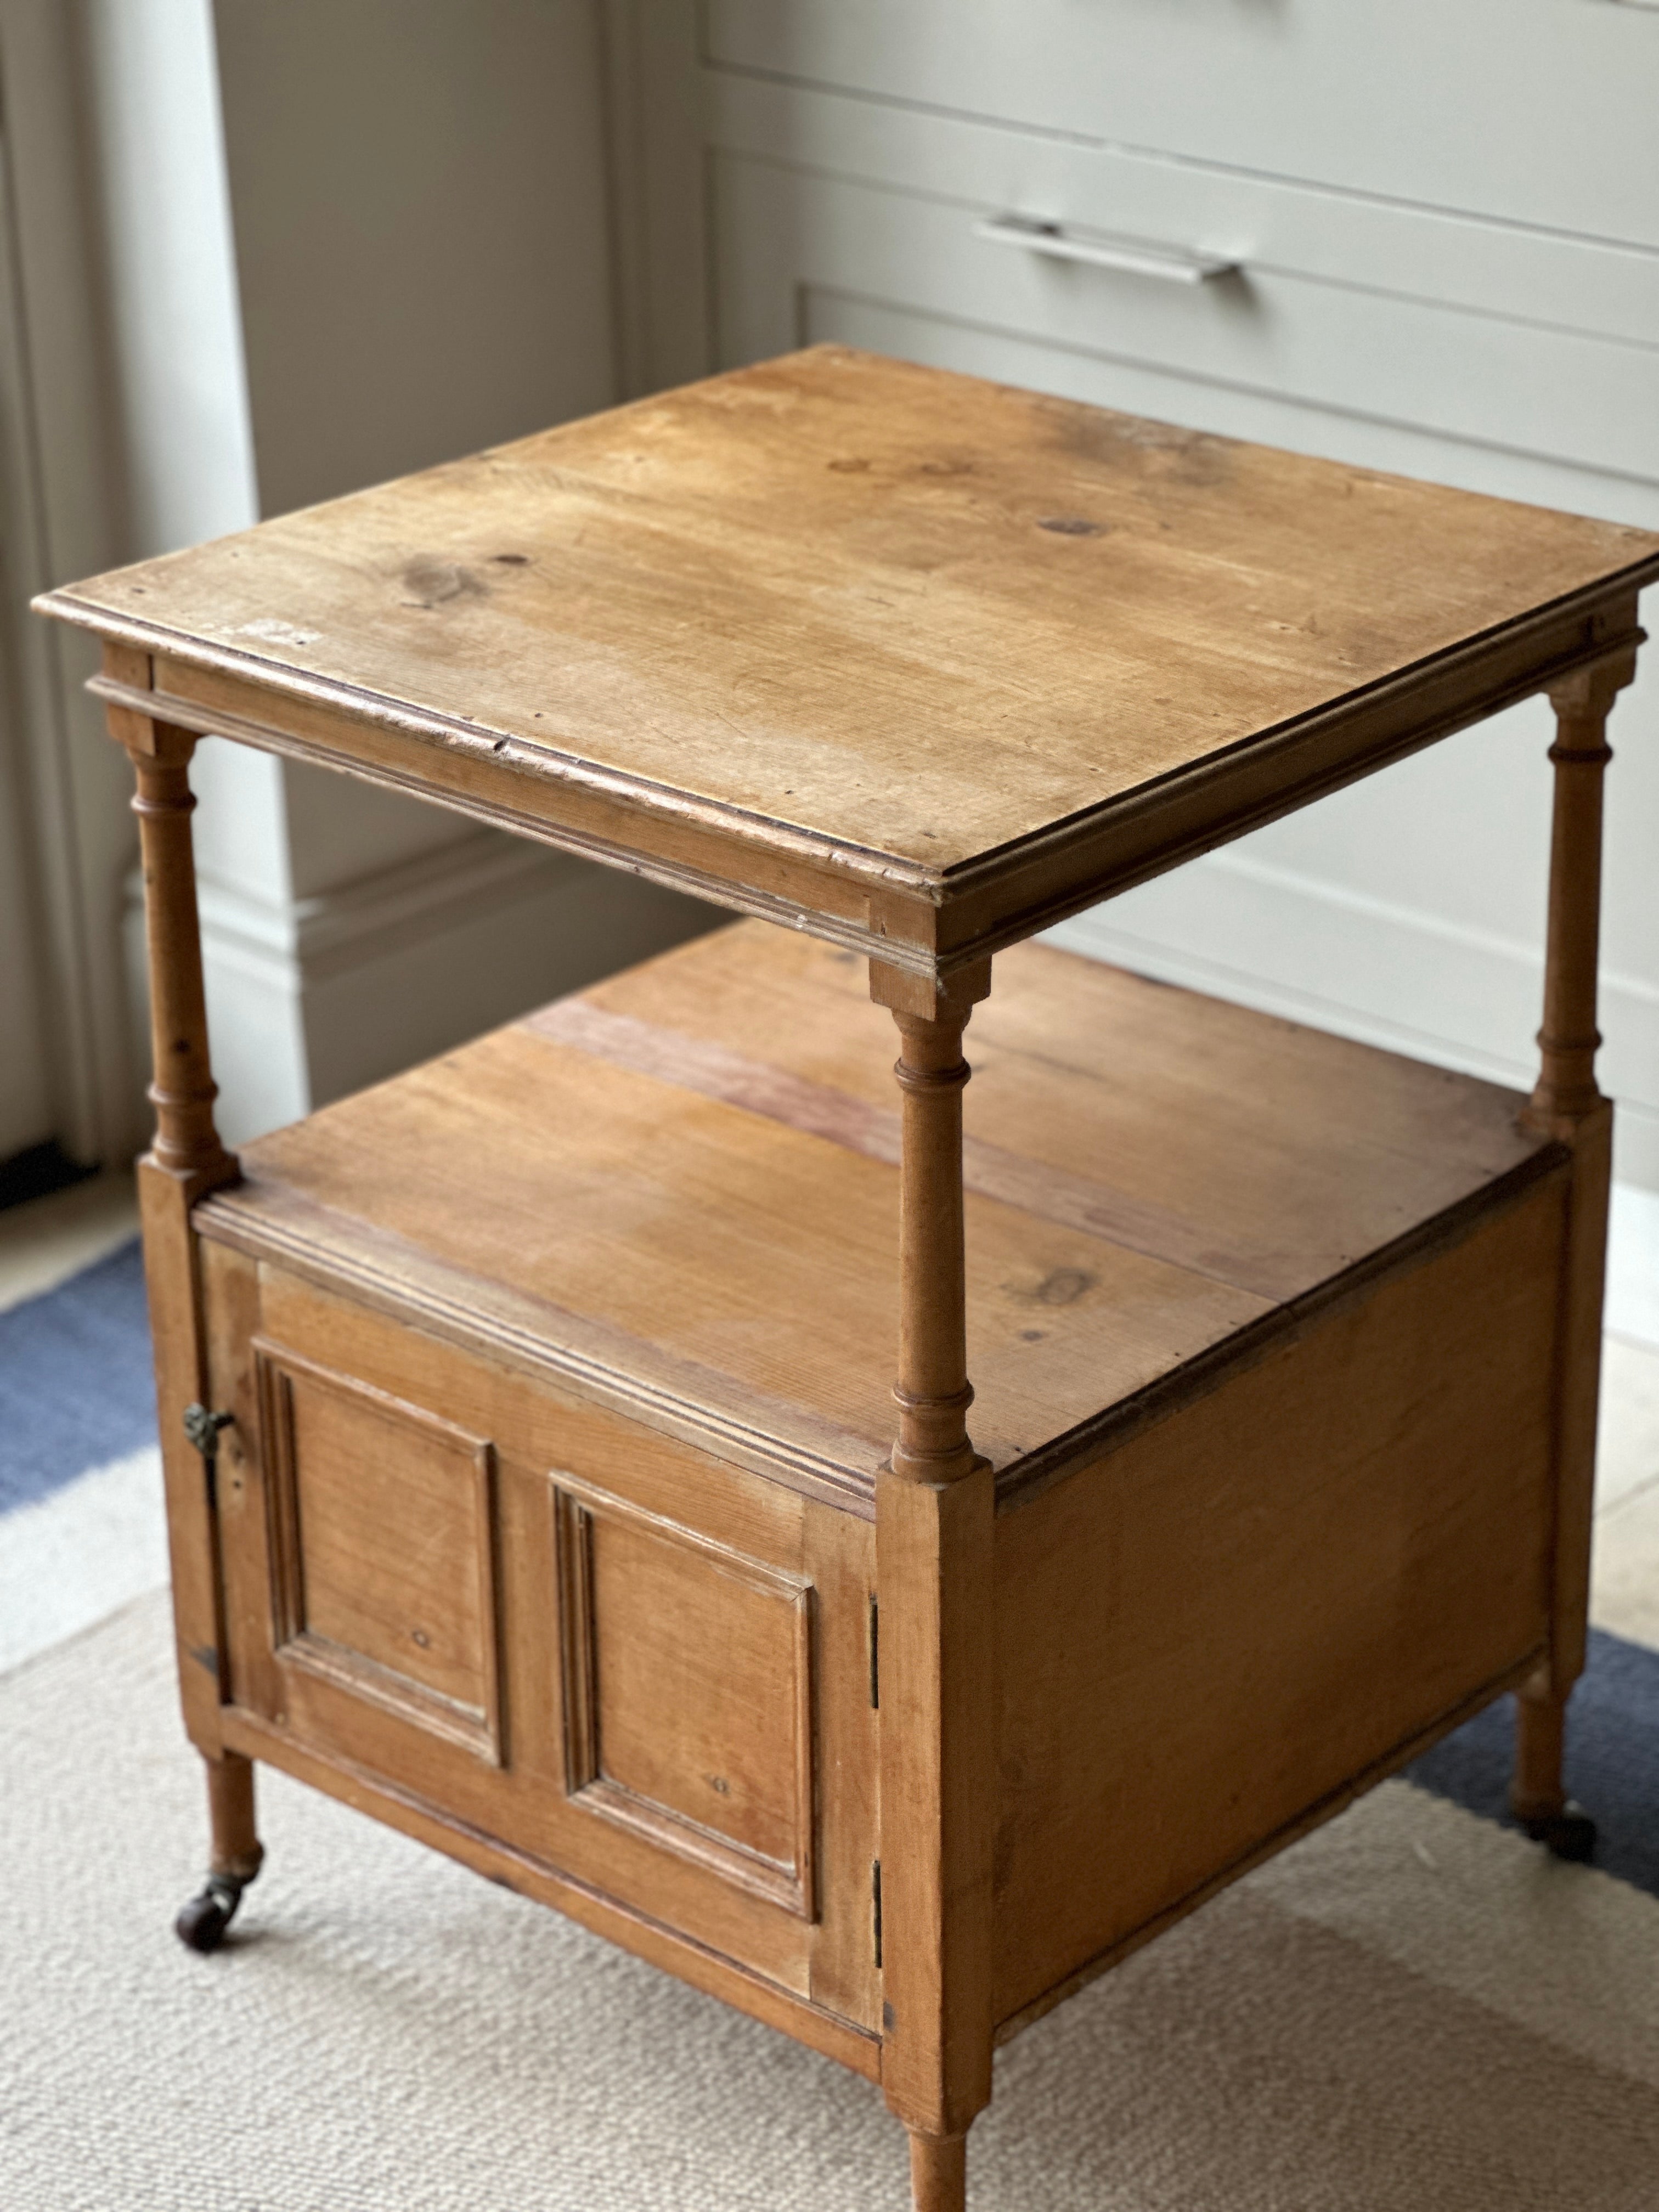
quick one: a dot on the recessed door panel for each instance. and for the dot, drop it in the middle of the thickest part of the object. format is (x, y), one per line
(688, 1693)
(383, 1549)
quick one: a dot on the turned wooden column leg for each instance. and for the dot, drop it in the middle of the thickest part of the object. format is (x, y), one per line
(934, 1508)
(1568, 1105)
(182, 1088)
(933, 1391)
(184, 1161)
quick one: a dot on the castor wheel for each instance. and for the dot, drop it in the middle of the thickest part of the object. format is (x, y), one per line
(201, 1923)
(1570, 1834)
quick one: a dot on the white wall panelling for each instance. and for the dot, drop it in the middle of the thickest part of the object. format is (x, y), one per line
(1409, 301)
(1336, 347)
(1274, 226)
(27, 1107)
(653, 109)
(419, 193)
(171, 294)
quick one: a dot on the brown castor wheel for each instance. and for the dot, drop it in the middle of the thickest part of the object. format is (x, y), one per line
(201, 1923)
(1570, 1834)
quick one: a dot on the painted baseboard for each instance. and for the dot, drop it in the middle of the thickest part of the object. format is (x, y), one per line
(1261, 935)
(311, 998)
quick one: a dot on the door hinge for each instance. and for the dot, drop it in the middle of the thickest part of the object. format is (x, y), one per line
(202, 1427)
(875, 1907)
(875, 1655)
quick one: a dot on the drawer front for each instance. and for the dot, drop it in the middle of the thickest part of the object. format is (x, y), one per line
(641, 1666)
(1529, 111)
(1264, 224)
(1273, 354)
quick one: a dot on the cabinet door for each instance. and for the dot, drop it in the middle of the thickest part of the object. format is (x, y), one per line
(638, 1665)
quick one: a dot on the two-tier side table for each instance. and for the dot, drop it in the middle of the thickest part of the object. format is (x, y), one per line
(533, 1477)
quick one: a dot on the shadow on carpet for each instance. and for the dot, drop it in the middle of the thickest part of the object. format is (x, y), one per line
(1612, 1759)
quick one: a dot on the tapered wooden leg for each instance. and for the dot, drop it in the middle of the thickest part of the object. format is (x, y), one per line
(1538, 1795)
(236, 1858)
(939, 2172)
(1568, 1105)
(937, 1691)
(237, 1850)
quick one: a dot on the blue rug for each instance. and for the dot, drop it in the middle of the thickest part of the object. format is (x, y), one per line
(75, 1385)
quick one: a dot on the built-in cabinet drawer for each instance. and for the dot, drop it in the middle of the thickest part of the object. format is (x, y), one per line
(1443, 227)
(640, 1665)
(1272, 352)
(1536, 112)
(1267, 224)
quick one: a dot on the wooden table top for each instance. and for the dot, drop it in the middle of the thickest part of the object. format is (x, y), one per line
(922, 661)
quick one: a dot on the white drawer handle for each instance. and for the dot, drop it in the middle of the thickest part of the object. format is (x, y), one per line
(1173, 265)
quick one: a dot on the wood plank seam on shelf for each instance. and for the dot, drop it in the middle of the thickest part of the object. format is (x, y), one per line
(817, 1109)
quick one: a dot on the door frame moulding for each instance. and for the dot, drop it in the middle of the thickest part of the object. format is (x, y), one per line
(650, 62)
(60, 516)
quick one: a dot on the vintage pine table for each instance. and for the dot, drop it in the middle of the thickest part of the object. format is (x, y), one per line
(531, 1465)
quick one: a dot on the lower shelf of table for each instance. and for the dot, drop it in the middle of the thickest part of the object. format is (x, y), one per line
(682, 1183)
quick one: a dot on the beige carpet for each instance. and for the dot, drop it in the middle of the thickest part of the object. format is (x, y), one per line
(1412, 2010)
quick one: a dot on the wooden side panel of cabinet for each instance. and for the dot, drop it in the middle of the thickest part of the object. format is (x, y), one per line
(643, 1667)
(1260, 1598)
